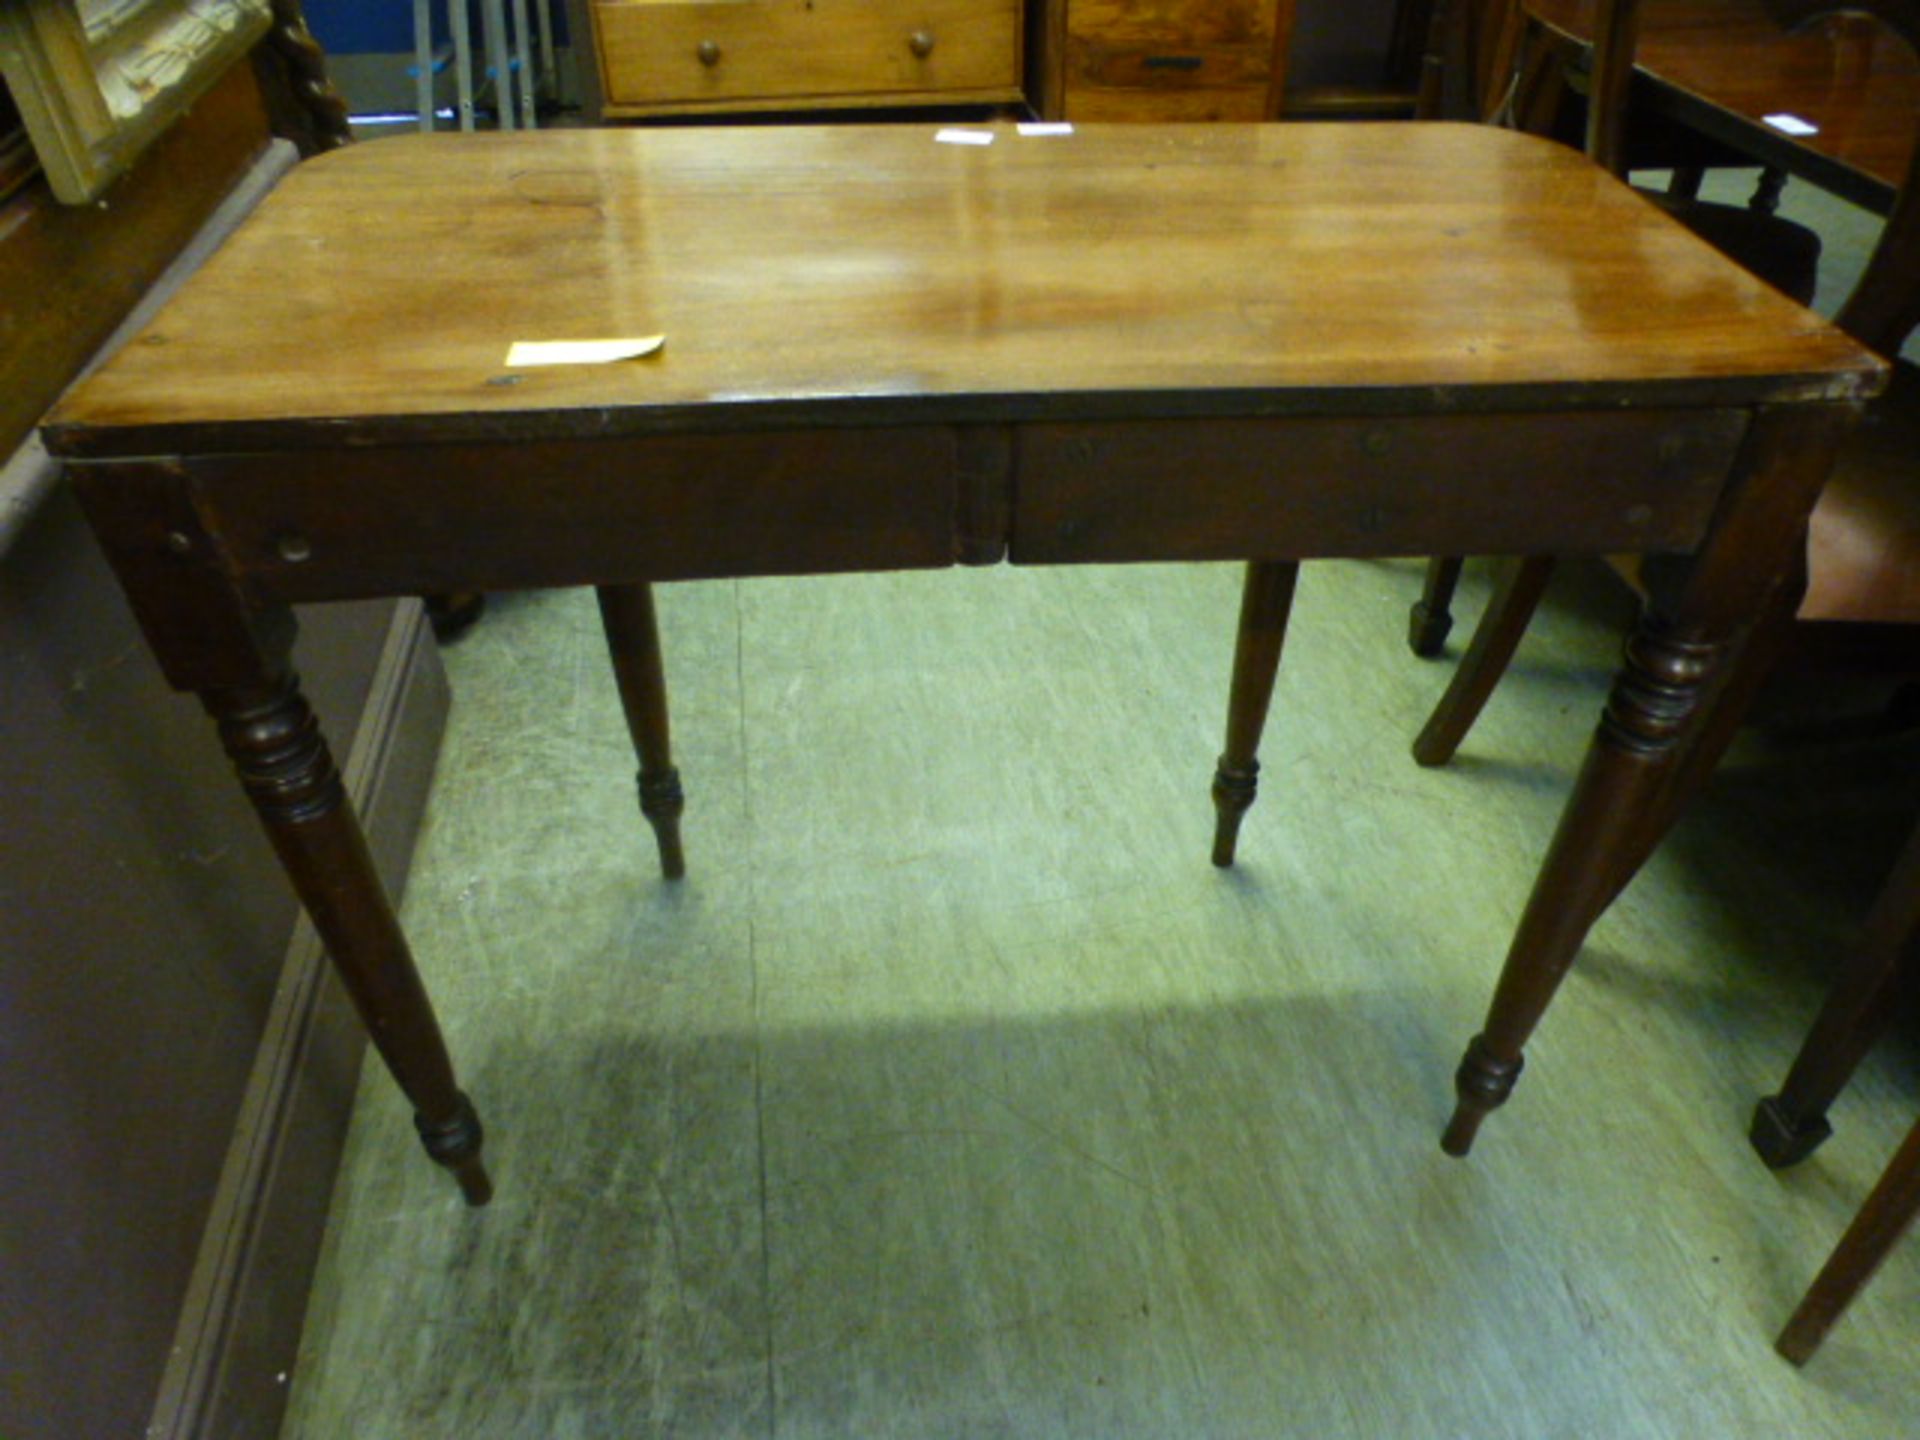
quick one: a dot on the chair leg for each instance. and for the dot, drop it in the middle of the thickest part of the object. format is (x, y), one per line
(1264, 606)
(1486, 660)
(1872, 1235)
(1539, 84)
(1789, 1126)
(1686, 181)
(452, 615)
(1766, 192)
(633, 638)
(1497, 59)
(1432, 616)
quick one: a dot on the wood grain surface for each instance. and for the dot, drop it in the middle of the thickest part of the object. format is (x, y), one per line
(1175, 59)
(871, 275)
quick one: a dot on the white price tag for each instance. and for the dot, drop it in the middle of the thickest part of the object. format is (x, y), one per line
(1791, 124)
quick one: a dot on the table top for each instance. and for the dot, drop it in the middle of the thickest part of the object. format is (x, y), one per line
(1854, 79)
(871, 275)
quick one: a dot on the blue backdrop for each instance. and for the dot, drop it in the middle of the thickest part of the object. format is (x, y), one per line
(385, 27)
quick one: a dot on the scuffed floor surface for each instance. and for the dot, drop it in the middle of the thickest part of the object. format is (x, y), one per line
(954, 1093)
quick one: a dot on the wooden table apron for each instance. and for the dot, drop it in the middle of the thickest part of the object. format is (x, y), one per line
(218, 520)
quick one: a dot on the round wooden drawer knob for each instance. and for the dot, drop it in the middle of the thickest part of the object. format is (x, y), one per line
(921, 43)
(709, 52)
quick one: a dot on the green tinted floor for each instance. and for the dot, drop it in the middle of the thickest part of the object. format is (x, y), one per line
(954, 1093)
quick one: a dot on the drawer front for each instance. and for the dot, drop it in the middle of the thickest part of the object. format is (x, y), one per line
(1169, 59)
(524, 514)
(1275, 489)
(742, 50)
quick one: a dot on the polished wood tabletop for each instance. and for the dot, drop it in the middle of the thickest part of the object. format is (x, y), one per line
(1726, 65)
(871, 272)
(882, 351)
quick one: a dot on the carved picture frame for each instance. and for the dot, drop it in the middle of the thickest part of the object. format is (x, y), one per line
(96, 80)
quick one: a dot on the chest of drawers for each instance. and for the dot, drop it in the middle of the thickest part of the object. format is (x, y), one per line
(657, 57)
(1174, 59)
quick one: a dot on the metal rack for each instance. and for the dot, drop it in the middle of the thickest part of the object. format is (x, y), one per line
(519, 64)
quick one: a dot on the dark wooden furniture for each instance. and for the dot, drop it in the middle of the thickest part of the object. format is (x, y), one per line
(883, 352)
(1150, 60)
(1860, 573)
(1723, 66)
(1496, 62)
(1081, 60)
(1176, 59)
(1886, 1215)
(1789, 1125)
(1857, 591)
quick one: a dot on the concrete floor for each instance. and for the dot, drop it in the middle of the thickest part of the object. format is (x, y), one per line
(954, 1093)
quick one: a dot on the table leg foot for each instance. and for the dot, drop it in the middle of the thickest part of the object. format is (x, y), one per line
(633, 642)
(1870, 988)
(1780, 1139)
(661, 801)
(453, 614)
(1266, 599)
(1427, 630)
(1647, 712)
(1431, 619)
(455, 1142)
(1481, 1084)
(1234, 788)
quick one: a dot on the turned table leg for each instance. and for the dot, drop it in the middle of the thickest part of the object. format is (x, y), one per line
(1264, 606)
(1622, 796)
(633, 639)
(213, 639)
(1623, 778)
(1722, 711)
(283, 762)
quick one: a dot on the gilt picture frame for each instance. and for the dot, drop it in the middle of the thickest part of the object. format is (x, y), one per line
(96, 80)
